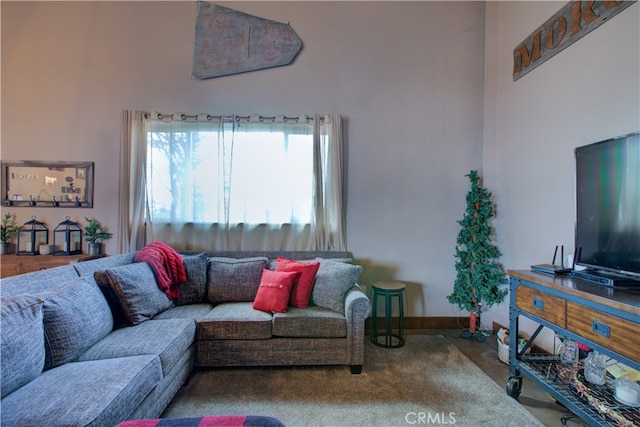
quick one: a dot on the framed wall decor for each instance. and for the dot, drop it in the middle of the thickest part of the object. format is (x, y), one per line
(47, 184)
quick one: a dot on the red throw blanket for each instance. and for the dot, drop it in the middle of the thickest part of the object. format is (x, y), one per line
(167, 266)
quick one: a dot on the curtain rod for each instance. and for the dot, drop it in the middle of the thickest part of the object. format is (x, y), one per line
(232, 118)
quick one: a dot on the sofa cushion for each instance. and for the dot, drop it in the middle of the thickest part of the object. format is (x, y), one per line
(37, 281)
(195, 288)
(306, 256)
(96, 393)
(238, 320)
(21, 342)
(313, 322)
(333, 280)
(234, 280)
(274, 290)
(192, 311)
(301, 292)
(88, 268)
(168, 339)
(134, 286)
(76, 316)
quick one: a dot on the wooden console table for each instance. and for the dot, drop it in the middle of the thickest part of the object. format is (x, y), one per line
(605, 319)
(12, 264)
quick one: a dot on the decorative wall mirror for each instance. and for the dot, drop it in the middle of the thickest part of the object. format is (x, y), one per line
(47, 184)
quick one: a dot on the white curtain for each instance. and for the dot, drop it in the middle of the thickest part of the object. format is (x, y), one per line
(239, 147)
(330, 217)
(132, 195)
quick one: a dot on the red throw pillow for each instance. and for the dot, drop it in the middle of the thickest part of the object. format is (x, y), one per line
(274, 290)
(301, 292)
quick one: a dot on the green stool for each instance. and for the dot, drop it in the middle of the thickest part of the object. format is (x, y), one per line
(388, 290)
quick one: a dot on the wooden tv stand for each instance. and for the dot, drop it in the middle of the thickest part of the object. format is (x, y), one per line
(605, 319)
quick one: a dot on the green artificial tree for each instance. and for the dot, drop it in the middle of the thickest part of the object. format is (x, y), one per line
(479, 278)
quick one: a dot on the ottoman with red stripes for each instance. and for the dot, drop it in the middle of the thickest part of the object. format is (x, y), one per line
(210, 421)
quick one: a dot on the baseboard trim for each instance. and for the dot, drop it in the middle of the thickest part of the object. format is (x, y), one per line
(426, 322)
(495, 327)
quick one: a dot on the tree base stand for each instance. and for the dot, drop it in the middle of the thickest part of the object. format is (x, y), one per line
(476, 336)
(474, 333)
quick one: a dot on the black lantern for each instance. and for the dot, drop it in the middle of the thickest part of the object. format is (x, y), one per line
(67, 238)
(31, 235)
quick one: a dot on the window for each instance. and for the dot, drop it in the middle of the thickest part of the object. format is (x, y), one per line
(231, 173)
(232, 182)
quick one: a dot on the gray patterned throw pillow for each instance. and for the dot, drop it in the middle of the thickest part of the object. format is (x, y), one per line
(194, 289)
(135, 287)
(234, 280)
(333, 280)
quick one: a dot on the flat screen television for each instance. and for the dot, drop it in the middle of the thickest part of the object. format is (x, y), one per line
(607, 232)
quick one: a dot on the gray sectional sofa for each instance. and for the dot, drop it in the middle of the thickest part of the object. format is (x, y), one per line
(97, 342)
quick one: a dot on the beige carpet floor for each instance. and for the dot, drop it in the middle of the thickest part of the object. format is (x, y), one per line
(426, 382)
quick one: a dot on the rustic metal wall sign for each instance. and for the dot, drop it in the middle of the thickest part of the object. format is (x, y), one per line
(575, 20)
(231, 42)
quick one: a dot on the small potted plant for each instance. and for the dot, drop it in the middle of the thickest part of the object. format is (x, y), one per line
(94, 233)
(8, 230)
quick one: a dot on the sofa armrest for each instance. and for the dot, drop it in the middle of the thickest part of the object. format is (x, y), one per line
(357, 308)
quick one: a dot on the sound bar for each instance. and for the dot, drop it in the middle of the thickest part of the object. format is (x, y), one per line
(612, 280)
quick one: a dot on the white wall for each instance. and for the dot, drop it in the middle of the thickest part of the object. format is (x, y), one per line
(408, 77)
(586, 93)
